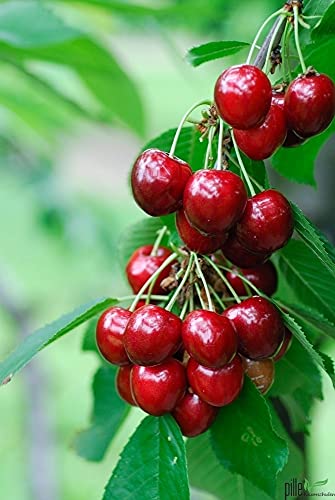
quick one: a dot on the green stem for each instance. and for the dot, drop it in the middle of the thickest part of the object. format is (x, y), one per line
(184, 309)
(286, 55)
(259, 32)
(296, 37)
(274, 36)
(217, 298)
(144, 296)
(180, 126)
(224, 279)
(241, 165)
(203, 305)
(158, 240)
(204, 282)
(181, 285)
(246, 281)
(209, 147)
(220, 145)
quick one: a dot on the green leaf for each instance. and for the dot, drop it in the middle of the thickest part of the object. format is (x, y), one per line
(326, 28)
(299, 405)
(152, 465)
(89, 343)
(244, 440)
(313, 8)
(109, 412)
(48, 334)
(213, 50)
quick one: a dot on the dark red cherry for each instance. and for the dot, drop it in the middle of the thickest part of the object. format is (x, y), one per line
(216, 386)
(259, 327)
(286, 344)
(264, 277)
(123, 384)
(209, 340)
(152, 335)
(310, 104)
(292, 140)
(240, 256)
(157, 389)
(196, 241)
(193, 415)
(214, 200)
(110, 335)
(243, 96)
(261, 142)
(261, 372)
(158, 182)
(142, 265)
(267, 222)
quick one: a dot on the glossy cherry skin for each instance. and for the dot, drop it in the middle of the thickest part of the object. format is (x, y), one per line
(243, 96)
(286, 344)
(216, 386)
(123, 384)
(310, 104)
(193, 415)
(141, 266)
(267, 223)
(259, 327)
(158, 182)
(214, 200)
(261, 372)
(157, 389)
(196, 241)
(292, 140)
(240, 256)
(261, 142)
(264, 277)
(110, 335)
(209, 340)
(152, 335)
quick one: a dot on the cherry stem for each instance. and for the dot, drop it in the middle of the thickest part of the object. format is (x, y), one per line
(259, 32)
(184, 309)
(202, 302)
(245, 280)
(221, 130)
(144, 296)
(209, 147)
(153, 277)
(296, 37)
(273, 42)
(241, 165)
(181, 284)
(217, 298)
(158, 241)
(286, 52)
(183, 120)
(224, 279)
(204, 282)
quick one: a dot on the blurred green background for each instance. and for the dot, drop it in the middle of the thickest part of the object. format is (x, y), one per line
(71, 123)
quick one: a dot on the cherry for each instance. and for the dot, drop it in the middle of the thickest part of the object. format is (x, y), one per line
(261, 372)
(110, 335)
(193, 415)
(261, 142)
(264, 277)
(310, 104)
(286, 344)
(152, 335)
(292, 139)
(214, 200)
(216, 386)
(267, 222)
(142, 265)
(158, 182)
(194, 240)
(259, 327)
(240, 256)
(157, 389)
(209, 340)
(123, 384)
(243, 96)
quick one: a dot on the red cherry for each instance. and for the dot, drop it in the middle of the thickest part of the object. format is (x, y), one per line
(286, 344)
(292, 139)
(261, 142)
(243, 96)
(193, 415)
(123, 384)
(110, 335)
(267, 222)
(259, 327)
(216, 386)
(158, 182)
(214, 200)
(310, 104)
(194, 240)
(261, 372)
(264, 277)
(209, 340)
(157, 389)
(141, 266)
(152, 335)
(240, 256)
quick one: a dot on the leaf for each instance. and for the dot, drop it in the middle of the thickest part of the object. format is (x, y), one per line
(244, 440)
(48, 334)
(326, 28)
(299, 406)
(213, 50)
(313, 8)
(152, 465)
(89, 343)
(320, 483)
(109, 412)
